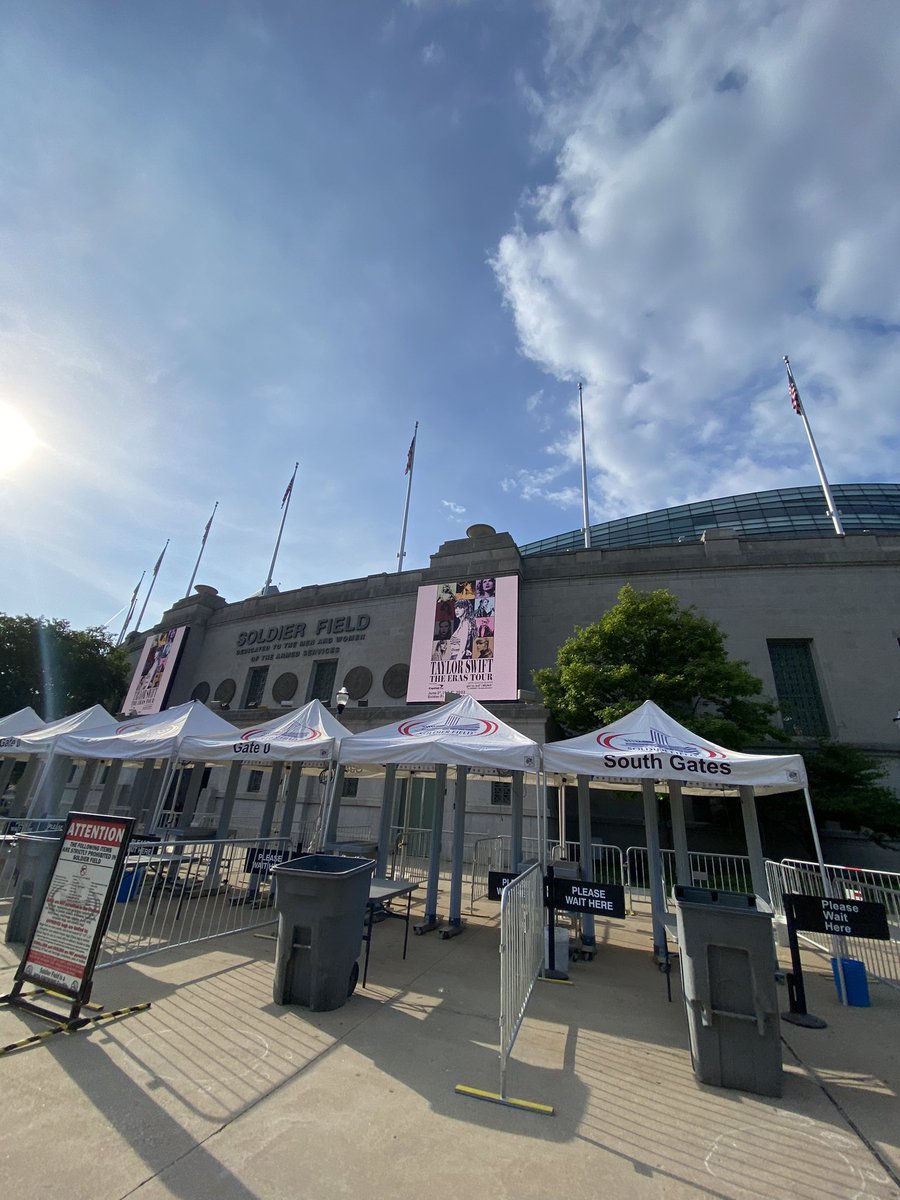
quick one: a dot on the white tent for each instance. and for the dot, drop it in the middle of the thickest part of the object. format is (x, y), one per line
(157, 735)
(461, 734)
(649, 750)
(146, 738)
(42, 738)
(308, 734)
(39, 743)
(306, 738)
(649, 744)
(23, 721)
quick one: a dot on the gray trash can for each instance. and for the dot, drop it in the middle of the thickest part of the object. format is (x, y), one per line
(35, 857)
(728, 966)
(321, 902)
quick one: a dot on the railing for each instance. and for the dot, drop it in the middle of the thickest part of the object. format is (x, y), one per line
(487, 855)
(881, 959)
(521, 955)
(725, 872)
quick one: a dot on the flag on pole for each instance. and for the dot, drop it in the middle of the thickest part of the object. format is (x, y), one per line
(209, 525)
(159, 560)
(792, 390)
(411, 454)
(288, 490)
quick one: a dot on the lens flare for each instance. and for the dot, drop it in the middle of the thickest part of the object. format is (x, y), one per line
(17, 439)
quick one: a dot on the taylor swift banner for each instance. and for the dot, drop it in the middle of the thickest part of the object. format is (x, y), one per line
(465, 640)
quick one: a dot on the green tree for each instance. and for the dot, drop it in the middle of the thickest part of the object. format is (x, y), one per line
(59, 670)
(647, 647)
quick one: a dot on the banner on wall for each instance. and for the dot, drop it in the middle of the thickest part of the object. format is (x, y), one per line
(465, 640)
(155, 672)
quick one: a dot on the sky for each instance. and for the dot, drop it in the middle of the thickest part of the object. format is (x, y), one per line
(239, 235)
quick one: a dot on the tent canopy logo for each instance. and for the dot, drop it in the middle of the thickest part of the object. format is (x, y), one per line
(455, 725)
(296, 731)
(654, 740)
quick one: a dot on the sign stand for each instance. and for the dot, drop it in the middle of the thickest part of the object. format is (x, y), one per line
(797, 1014)
(840, 918)
(63, 948)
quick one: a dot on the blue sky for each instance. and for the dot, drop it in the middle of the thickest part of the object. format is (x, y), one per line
(239, 235)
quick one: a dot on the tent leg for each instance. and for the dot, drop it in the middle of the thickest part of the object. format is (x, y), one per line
(588, 936)
(518, 805)
(386, 820)
(431, 921)
(654, 868)
(754, 844)
(456, 865)
(679, 835)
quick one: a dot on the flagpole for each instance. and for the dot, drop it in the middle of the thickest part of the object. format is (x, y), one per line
(134, 596)
(801, 413)
(202, 544)
(152, 581)
(285, 505)
(584, 487)
(410, 463)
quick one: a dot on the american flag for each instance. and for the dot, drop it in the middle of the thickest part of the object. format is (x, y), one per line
(792, 390)
(410, 455)
(290, 487)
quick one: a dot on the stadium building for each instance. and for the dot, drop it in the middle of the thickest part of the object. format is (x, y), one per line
(816, 616)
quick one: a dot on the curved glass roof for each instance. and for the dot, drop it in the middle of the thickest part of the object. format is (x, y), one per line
(782, 513)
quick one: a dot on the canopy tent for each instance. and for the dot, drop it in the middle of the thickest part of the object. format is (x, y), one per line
(146, 739)
(156, 735)
(648, 749)
(308, 734)
(307, 738)
(23, 721)
(42, 738)
(38, 743)
(461, 734)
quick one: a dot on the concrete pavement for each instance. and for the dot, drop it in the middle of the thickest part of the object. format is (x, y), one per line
(215, 1093)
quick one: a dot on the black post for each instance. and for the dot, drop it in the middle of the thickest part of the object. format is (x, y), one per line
(797, 1014)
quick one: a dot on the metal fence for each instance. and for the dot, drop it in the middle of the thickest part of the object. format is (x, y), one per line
(521, 955)
(725, 872)
(881, 959)
(177, 893)
(487, 855)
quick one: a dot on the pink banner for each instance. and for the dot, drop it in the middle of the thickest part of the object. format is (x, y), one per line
(465, 640)
(154, 673)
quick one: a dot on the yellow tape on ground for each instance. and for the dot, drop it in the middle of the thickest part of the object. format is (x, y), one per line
(544, 1110)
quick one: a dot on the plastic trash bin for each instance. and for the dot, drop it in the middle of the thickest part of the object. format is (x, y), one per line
(728, 966)
(35, 857)
(321, 903)
(130, 884)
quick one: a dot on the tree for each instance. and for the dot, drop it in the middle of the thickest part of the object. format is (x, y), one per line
(647, 647)
(59, 670)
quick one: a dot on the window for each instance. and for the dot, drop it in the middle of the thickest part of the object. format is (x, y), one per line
(350, 788)
(501, 793)
(256, 686)
(254, 783)
(797, 688)
(322, 686)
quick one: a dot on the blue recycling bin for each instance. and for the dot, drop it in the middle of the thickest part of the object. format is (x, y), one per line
(855, 983)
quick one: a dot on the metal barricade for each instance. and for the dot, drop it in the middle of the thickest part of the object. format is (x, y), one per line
(881, 959)
(487, 855)
(177, 892)
(521, 955)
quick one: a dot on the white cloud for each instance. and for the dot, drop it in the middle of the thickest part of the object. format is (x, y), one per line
(432, 53)
(455, 509)
(727, 190)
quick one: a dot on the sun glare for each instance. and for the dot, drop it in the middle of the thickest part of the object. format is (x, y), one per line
(17, 439)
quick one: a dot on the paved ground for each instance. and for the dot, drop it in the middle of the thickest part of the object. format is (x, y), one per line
(215, 1093)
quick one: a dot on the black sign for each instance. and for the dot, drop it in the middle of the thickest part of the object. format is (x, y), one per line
(261, 862)
(845, 918)
(497, 881)
(600, 899)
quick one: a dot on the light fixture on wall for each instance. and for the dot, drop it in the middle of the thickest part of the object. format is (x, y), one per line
(341, 699)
